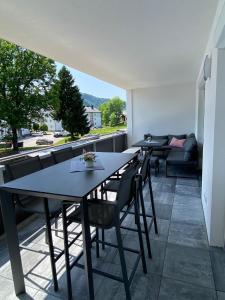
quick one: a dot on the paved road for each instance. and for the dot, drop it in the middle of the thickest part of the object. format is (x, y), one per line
(30, 141)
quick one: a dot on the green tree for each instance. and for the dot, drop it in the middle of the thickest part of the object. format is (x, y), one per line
(25, 82)
(36, 126)
(44, 127)
(113, 119)
(114, 106)
(104, 108)
(70, 109)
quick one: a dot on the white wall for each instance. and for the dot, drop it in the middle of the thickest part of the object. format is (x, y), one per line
(213, 172)
(213, 176)
(161, 110)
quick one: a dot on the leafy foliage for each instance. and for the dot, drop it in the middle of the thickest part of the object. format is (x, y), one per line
(35, 126)
(44, 127)
(112, 111)
(113, 119)
(70, 109)
(25, 83)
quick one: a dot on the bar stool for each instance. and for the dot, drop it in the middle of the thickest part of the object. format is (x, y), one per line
(105, 215)
(145, 177)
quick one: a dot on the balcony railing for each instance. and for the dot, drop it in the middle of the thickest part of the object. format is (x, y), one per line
(116, 142)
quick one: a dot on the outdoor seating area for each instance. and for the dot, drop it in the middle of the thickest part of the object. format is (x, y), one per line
(180, 153)
(183, 266)
(128, 201)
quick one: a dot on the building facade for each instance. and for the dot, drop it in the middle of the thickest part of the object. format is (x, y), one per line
(94, 116)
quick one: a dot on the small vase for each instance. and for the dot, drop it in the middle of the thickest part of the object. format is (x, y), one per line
(89, 163)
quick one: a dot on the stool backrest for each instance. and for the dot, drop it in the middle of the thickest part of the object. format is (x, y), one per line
(47, 161)
(20, 169)
(145, 167)
(126, 190)
(63, 154)
(24, 167)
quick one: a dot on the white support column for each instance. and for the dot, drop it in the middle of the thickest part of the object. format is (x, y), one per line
(213, 177)
(129, 117)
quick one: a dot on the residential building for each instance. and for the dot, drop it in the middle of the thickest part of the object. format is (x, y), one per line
(94, 116)
(53, 125)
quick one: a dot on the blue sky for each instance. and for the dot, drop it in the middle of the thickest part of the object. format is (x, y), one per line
(91, 85)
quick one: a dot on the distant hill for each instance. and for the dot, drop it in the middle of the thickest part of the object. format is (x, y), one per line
(90, 100)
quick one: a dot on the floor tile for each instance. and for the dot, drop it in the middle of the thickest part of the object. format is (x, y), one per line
(188, 200)
(112, 290)
(186, 190)
(218, 266)
(163, 211)
(163, 197)
(177, 290)
(163, 187)
(163, 230)
(188, 264)
(220, 296)
(193, 235)
(7, 291)
(154, 265)
(41, 295)
(187, 210)
(187, 181)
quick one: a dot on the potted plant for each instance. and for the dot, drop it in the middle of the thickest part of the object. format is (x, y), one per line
(89, 159)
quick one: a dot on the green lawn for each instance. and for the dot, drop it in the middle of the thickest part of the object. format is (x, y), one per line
(107, 130)
(103, 130)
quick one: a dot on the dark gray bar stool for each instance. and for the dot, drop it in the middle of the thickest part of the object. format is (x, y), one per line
(50, 209)
(105, 214)
(145, 177)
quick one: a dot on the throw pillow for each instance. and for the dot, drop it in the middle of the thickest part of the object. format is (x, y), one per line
(177, 143)
(179, 137)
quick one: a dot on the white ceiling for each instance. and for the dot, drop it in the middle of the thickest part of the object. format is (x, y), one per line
(129, 43)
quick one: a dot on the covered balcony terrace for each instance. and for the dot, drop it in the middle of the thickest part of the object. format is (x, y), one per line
(169, 56)
(183, 265)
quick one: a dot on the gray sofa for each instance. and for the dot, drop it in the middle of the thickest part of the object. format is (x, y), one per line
(179, 161)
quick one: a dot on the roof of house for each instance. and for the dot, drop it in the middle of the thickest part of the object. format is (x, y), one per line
(90, 109)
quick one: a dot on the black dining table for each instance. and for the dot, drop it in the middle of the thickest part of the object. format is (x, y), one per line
(57, 182)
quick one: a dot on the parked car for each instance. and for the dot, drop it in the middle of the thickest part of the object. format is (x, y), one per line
(38, 133)
(61, 133)
(65, 133)
(57, 134)
(44, 142)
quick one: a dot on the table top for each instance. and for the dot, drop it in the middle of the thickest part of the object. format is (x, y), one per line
(150, 144)
(57, 182)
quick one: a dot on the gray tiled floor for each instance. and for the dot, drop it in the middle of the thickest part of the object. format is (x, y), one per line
(183, 266)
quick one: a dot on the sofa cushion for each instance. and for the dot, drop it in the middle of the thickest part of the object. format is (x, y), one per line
(191, 135)
(190, 149)
(179, 137)
(177, 158)
(159, 137)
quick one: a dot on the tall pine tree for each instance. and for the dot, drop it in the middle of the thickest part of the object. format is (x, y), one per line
(70, 109)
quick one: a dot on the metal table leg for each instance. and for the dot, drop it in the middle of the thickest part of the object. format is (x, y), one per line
(9, 220)
(87, 248)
